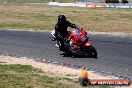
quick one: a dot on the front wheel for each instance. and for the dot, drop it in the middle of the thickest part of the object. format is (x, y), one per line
(91, 52)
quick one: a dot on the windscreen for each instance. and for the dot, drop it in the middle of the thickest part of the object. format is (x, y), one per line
(77, 32)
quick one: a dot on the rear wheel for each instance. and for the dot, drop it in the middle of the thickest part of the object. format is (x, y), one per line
(91, 52)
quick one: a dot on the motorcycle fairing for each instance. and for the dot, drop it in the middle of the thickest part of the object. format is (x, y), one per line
(87, 44)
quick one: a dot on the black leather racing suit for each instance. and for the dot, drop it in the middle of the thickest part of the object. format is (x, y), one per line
(61, 29)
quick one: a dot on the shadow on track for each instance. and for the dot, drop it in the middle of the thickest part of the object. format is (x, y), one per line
(75, 55)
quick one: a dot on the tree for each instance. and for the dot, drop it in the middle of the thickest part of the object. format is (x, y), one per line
(124, 1)
(112, 1)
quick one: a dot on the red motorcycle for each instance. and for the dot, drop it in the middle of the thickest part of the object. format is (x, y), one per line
(78, 43)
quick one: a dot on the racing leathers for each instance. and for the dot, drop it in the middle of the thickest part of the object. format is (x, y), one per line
(61, 30)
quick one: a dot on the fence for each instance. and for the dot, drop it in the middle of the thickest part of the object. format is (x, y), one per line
(94, 5)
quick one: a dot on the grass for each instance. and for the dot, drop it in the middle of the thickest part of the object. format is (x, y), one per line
(44, 17)
(34, 1)
(25, 76)
(18, 68)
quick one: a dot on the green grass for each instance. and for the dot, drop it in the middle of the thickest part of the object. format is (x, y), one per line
(25, 76)
(18, 68)
(23, 26)
(44, 17)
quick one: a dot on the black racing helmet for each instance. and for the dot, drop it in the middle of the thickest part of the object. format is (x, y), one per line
(61, 18)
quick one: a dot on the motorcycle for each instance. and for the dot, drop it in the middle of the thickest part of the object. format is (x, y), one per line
(77, 42)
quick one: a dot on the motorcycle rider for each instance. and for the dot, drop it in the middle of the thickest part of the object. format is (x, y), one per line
(61, 28)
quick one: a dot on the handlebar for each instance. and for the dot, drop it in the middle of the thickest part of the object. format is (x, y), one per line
(78, 28)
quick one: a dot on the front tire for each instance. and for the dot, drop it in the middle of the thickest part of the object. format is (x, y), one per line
(91, 52)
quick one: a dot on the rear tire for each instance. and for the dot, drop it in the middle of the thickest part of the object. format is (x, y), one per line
(91, 52)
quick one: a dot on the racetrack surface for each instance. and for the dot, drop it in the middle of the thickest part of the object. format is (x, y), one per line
(114, 52)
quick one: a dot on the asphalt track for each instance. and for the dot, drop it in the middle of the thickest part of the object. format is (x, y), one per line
(114, 52)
